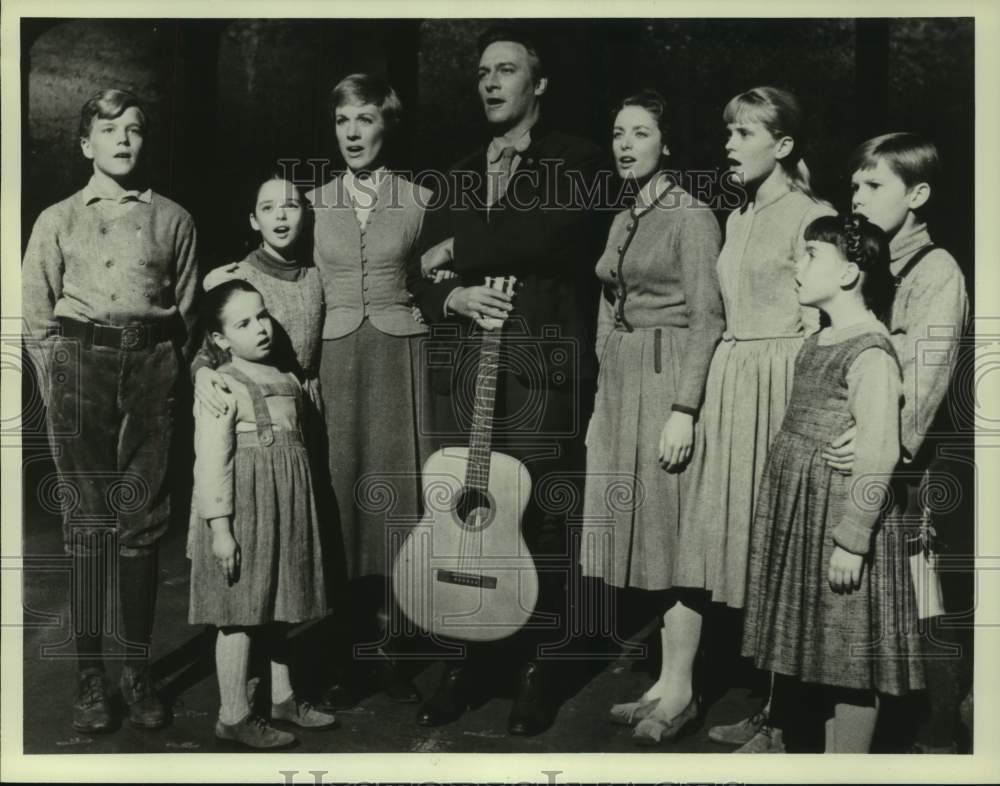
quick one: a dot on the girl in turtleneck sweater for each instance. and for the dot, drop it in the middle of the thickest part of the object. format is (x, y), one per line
(292, 290)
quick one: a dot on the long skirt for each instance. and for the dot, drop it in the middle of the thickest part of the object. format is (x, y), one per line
(373, 394)
(749, 384)
(631, 504)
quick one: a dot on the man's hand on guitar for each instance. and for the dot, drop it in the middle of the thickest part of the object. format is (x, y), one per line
(676, 441)
(481, 303)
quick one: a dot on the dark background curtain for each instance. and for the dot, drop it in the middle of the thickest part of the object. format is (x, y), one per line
(230, 97)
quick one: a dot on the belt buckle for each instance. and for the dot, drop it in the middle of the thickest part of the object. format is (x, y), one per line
(131, 337)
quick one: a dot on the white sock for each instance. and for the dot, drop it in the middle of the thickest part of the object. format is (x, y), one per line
(853, 728)
(232, 662)
(281, 682)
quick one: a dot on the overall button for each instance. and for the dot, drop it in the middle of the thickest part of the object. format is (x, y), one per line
(114, 296)
(619, 249)
(630, 227)
(614, 274)
(142, 262)
(104, 230)
(109, 263)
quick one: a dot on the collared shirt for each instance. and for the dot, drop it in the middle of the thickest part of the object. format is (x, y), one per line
(363, 192)
(496, 177)
(110, 199)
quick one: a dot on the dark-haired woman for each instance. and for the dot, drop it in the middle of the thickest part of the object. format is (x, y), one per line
(659, 321)
(368, 222)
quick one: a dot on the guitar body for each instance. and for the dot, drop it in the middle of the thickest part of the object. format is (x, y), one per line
(465, 571)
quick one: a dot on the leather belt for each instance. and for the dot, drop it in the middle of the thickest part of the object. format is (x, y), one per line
(136, 336)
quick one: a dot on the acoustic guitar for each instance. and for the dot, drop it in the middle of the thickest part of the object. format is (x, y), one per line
(465, 572)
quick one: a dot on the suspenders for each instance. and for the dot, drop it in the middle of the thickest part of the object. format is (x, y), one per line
(265, 428)
(920, 254)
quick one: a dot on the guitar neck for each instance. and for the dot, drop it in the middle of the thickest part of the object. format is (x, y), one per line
(481, 440)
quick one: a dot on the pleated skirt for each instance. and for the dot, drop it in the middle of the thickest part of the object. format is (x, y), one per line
(748, 387)
(795, 624)
(281, 577)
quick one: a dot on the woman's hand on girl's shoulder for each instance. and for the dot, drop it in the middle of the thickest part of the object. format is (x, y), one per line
(220, 274)
(212, 391)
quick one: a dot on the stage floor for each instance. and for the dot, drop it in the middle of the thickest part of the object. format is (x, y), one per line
(182, 656)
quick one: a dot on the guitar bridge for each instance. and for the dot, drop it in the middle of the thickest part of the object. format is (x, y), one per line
(466, 579)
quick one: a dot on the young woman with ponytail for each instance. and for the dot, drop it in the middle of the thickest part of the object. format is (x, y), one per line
(749, 383)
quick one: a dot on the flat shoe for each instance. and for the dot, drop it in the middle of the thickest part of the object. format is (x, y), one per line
(302, 714)
(657, 728)
(254, 732)
(631, 712)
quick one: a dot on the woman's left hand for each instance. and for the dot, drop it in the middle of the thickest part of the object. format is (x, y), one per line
(676, 441)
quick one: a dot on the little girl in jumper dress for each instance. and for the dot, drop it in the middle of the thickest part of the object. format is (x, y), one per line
(254, 543)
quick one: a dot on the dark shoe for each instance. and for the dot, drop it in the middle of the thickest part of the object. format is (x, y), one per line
(397, 686)
(254, 732)
(337, 697)
(533, 710)
(448, 702)
(145, 710)
(91, 706)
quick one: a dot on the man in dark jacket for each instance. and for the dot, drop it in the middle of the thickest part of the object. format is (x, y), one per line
(521, 205)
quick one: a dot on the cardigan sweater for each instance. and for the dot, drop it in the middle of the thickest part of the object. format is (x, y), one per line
(658, 270)
(136, 266)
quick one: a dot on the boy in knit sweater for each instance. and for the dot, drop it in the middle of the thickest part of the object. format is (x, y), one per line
(108, 288)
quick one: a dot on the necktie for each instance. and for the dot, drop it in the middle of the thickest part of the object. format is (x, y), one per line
(501, 177)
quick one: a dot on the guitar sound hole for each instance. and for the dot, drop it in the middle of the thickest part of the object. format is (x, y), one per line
(474, 509)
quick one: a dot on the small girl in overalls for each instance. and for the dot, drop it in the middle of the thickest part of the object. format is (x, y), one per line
(254, 544)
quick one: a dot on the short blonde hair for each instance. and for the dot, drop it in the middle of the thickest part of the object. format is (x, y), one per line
(369, 89)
